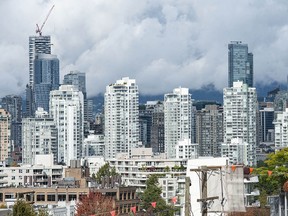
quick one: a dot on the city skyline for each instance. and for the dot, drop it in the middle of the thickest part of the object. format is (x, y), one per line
(179, 43)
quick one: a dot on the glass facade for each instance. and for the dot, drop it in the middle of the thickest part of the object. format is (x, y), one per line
(46, 79)
(240, 64)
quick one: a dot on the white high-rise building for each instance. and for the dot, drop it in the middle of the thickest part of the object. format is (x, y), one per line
(121, 117)
(236, 151)
(281, 130)
(67, 109)
(39, 136)
(177, 119)
(239, 111)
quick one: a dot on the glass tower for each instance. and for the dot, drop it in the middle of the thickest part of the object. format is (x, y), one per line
(46, 79)
(240, 64)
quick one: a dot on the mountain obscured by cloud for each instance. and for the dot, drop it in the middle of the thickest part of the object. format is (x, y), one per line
(162, 44)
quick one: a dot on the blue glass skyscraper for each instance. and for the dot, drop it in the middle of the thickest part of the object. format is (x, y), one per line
(240, 64)
(46, 78)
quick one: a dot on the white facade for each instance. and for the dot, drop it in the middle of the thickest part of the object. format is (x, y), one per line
(94, 145)
(136, 170)
(39, 136)
(227, 187)
(121, 103)
(281, 130)
(236, 151)
(94, 163)
(239, 111)
(43, 173)
(177, 119)
(67, 110)
(186, 150)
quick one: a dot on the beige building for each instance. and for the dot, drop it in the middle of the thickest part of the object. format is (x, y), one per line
(5, 131)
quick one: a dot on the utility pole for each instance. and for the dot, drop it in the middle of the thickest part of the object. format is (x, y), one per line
(187, 196)
(203, 170)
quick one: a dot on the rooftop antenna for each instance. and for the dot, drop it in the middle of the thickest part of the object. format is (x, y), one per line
(39, 30)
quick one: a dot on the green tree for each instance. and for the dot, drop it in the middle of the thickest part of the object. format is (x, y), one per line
(152, 193)
(167, 169)
(105, 170)
(21, 208)
(42, 212)
(270, 185)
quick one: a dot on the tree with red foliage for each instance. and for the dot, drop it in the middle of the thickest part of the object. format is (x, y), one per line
(95, 204)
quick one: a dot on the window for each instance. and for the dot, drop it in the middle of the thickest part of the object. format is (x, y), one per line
(40, 197)
(51, 197)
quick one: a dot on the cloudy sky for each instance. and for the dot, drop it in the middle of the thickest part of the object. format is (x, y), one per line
(162, 44)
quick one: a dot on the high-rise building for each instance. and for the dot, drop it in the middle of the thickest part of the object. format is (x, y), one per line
(94, 145)
(78, 79)
(177, 119)
(145, 123)
(5, 124)
(240, 64)
(157, 129)
(46, 79)
(239, 111)
(281, 130)
(66, 107)
(121, 104)
(209, 130)
(39, 136)
(266, 124)
(13, 104)
(37, 44)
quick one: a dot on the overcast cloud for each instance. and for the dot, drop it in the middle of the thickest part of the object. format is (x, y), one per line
(162, 44)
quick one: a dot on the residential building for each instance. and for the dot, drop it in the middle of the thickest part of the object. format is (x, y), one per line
(98, 125)
(157, 128)
(281, 130)
(66, 108)
(78, 79)
(94, 145)
(42, 173)
(251, 192)
(236, 151)
(5, 132)
(121, 104)
(95, 163)
(209, 130)
(266, 124)
(70, 188)
(177, 119)
(13, 104)
(39, 136)
(46, 79)
(187, 150)
(240, 64)
(137, 168)
(145, 125)
(239, 111)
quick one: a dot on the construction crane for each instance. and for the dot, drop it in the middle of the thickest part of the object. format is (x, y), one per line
(39, 30)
